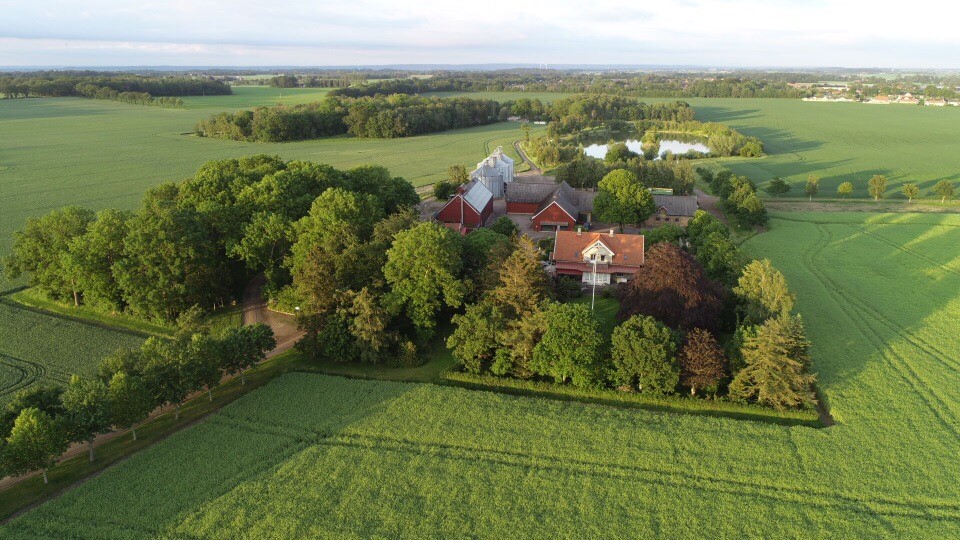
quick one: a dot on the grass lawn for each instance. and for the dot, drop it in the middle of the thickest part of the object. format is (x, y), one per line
(313, 455)
(605, 308)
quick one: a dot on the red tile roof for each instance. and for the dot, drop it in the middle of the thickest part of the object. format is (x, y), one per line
(627, 248)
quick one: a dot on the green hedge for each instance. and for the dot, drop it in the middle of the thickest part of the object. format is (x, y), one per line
(667, 403)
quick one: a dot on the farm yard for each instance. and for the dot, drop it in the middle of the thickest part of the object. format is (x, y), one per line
(313, 455)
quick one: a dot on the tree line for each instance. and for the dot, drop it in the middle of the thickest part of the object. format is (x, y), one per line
(697, 317)
(37, 426)
(54, 84)
(135, 98)
(381, 117)
(192, 243)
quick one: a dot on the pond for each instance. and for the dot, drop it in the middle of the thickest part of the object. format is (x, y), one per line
(599, 150)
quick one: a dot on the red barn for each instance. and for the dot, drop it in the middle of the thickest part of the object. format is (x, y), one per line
(468, 209)
(551, 205)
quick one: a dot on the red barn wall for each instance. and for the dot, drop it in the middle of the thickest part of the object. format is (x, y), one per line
(554, 214)
(451, 214)
(522, 208)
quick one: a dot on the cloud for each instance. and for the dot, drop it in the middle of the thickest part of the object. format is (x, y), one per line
(248, 32)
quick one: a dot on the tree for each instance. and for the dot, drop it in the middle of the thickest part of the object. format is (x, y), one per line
(130, 402)
(776, 365)
(458, 175)
(571, 347)
(163, 373)
(845, 189)
(168, 264)
(245, 347)
(702, 364)
(664, 233)
(618, 152)
(474, 339)
(505, 226)
(46, 398)
(763, 292)
(35, 442)
(813, 186)
(423, 268)
(910, 191)
(944, 190)
(778, 186)
(40, 248)
(524, 285)
(265, 243)
(671, 286)
(477, 247)
(644, 355)
(201, 362)
(86, 405)
(92, 256)
(877, 186)
(442, 190)
(623, 199)
(369, 324)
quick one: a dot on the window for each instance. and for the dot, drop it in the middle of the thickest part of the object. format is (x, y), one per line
(676, 220)
(603, 258)
(593, 256)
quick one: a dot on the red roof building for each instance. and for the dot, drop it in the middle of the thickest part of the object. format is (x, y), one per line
(468, 209)
(551, 206)
(604, 258)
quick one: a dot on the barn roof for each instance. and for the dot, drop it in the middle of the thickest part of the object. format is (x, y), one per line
(530, 193)
(477, 195)
(676, 205)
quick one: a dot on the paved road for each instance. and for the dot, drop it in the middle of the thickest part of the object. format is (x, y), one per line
(255, 311)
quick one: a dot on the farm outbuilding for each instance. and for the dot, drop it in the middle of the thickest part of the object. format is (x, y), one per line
(468, 209)
(675, 209)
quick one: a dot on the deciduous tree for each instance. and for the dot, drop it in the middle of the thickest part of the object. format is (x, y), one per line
(910, 191)
(130, 402)
(671, 286)
(944, 190)
(778, 186)
(423, 269)
(763, 293)
(623, 199)
(571, 348)
(35, 442)
(813, 186)
(845, 189)
(86, 405)
(702, 363)
(644, 355)
(877, 186)
(474, 339)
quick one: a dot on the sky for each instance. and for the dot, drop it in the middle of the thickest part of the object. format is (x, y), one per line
(725, 33)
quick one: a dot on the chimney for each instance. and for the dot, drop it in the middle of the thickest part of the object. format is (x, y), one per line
(611, 232)
(579, 230)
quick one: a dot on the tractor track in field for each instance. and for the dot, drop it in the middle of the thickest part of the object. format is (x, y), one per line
(936, 404)
(27, 373)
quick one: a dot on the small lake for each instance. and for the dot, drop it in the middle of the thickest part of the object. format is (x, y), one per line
(674, 146)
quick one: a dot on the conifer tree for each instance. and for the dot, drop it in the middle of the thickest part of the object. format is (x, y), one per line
(776, 365)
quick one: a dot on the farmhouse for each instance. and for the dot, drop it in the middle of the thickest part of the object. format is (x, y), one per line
(603, 258)
(550, 205)
(494, 172)
(468, 209)
(676, 209)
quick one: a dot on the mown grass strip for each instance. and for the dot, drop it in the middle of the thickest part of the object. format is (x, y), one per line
(673, 404)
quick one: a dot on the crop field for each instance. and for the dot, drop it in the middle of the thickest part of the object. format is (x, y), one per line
(313, 456)
(38, 348)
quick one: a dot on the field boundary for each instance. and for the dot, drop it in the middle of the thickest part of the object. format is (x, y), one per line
(613, 398)
(11, 302)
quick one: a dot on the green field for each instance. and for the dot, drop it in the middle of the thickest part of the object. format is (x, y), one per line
(313, 456)
(837, 141)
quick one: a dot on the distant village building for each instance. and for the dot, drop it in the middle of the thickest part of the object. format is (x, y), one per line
(494, 172)
(880, 100)
(468, 209)
(600, 258)
(551, 206)
(675, 209)
(936, 102)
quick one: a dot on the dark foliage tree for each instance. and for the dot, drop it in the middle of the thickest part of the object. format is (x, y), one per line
(45, 398)
(474, 341)
(505, 226)
(672, 287)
